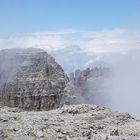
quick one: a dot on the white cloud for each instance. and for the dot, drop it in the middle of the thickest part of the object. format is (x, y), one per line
(92, 61)
(105, 41)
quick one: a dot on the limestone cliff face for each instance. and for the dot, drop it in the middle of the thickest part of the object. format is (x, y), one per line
(30, 79)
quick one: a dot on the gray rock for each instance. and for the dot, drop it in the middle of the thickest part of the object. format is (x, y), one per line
(74, 122)
(30, 79)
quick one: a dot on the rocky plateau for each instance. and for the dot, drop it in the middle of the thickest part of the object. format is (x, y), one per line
(74, 122)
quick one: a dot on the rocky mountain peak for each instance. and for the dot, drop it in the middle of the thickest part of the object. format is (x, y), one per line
(30, 79)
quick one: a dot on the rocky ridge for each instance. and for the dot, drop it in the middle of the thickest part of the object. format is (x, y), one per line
(75, 122)
(89, 84)
(79, 78)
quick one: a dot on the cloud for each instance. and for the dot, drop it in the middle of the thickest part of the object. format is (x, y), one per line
(91, 62)
(100, 42)
(80, 49)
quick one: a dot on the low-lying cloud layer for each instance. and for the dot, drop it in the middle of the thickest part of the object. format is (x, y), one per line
(105, 41)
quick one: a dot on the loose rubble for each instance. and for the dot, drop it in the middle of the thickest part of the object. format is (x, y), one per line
(74, 122)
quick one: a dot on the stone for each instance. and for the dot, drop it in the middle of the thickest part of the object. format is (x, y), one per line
(31, 79)
(73, 122)
(40, 134)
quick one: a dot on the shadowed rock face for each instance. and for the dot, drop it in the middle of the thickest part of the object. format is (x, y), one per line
(30, 79)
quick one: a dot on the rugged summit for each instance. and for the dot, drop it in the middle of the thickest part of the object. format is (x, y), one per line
(80, 77)
(90, 85)
(30, 79)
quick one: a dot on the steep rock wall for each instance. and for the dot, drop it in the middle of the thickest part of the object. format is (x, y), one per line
(30, 79)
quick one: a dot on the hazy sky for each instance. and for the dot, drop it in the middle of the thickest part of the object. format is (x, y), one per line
(22, 16)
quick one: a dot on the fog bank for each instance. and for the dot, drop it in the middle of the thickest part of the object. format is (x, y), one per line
(124, 85)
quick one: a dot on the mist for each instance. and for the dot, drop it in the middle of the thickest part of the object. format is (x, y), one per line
(124, 85)
(10, 63)
(120, 90)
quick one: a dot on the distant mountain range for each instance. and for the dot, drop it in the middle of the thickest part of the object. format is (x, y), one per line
(73, 57)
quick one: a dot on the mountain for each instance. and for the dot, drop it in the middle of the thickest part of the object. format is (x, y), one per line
(73, 57)
(31, 79)
(91, 85)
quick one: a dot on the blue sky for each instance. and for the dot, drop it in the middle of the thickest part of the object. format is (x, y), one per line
(21, 16)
